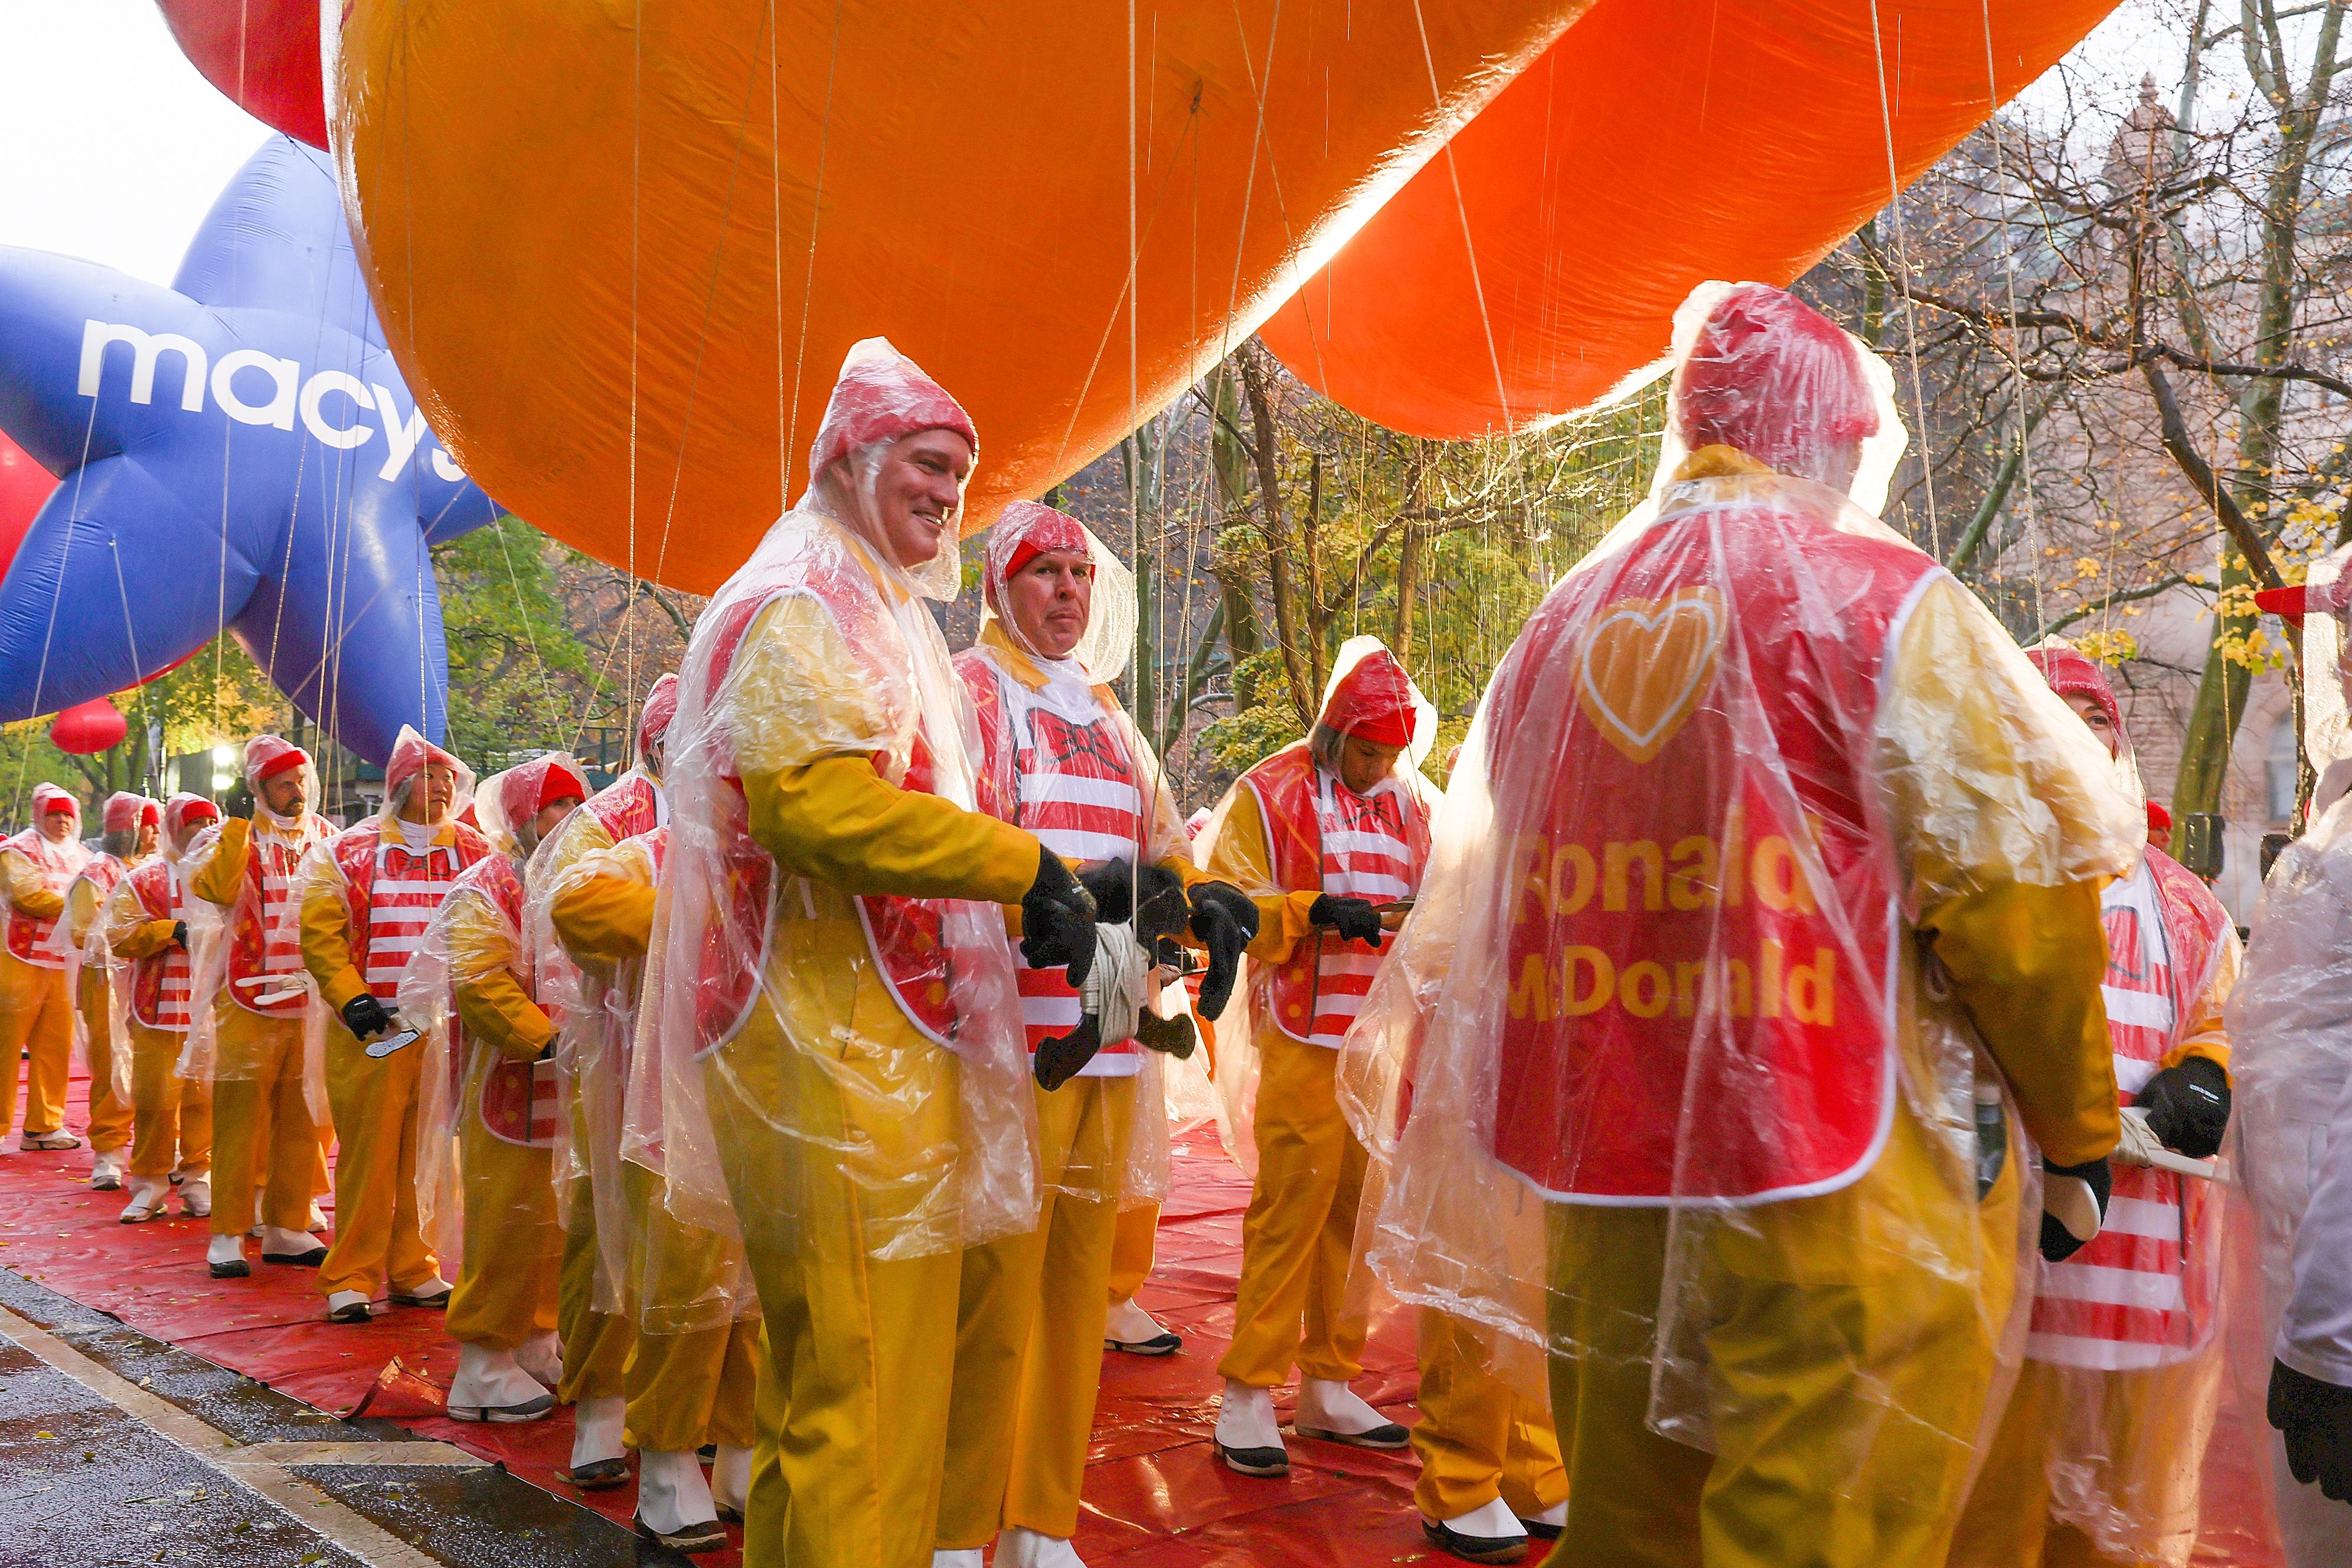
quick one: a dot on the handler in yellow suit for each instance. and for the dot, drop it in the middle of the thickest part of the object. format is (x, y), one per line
(266, 1139)
(1783, 1253)
(36, 1008)
(367, 895)
(150, 924)
(591, 1317)
(825, 937)
(685, 1387)
(501, 1121)
(132, 824)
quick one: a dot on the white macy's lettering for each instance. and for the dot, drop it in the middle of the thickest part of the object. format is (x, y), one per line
(289, 394)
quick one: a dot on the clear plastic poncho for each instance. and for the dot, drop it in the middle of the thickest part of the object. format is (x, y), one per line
(1235, 1067)
(822, 647)
(1663, 960)
(128, 906)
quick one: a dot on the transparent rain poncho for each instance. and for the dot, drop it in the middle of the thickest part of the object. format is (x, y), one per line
(81, 935)
(1235, 1068)
(866, 1044)
(1072, 795)
(2290, 1023)
(157, 889)
(1662, 964)
(257, 964)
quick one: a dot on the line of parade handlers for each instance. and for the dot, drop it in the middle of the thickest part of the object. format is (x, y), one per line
(1792, 1097)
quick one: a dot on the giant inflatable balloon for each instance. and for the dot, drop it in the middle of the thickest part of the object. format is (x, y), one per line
(24, 486)
(237, 450)
(264, 54)
(621, 250)
(1657, 145)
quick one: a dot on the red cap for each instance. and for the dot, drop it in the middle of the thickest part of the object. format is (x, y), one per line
(1026, 529)
(529, 788)
(125, 811)
(2071, 675)
(1373, 701)
(267, 756)
(654, 717)
(181, 812)
(2159, 824)
(48, 797)
(882, 394)
(1774, 378)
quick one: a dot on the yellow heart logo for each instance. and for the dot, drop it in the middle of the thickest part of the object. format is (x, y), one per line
(1645, 665)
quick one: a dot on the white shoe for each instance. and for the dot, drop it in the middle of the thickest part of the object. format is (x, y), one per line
(730, 1482)
(147, 1195)
(196, 1197)
(255, 1231)
(596, 1429)
(225, 1257)
(60, 1139)
(541, 1356)
(964, 1557)
(1331, 1410)
(1248, 1439)
(1554, 1517)
(106, 1172)
(489, 1386)
(1491, 1533)
(1132, 1328)
(350, 1307)
(318, 1220)
(671, 1493)
(1018, 1548)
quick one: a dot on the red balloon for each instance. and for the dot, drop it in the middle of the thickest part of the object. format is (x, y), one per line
(264, 54)
(87, 727)
(1537, 262)
(24, 486)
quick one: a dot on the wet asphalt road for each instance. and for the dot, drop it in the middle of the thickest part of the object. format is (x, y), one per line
(117, 1450)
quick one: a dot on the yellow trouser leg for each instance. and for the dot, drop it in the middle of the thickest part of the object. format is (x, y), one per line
(1300, 1234)
(675, 1381)
(514, 1249)
(174, 1116)
(36, 1016)
(1029, 1328)
(374, 1103)
(109, 1113)
(1847, 1370)
(1477, 1439)
(263, 1139)
(852, 1400)
(1131, 1245)
(596, 1345)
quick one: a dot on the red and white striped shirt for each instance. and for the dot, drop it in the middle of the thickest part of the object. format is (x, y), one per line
(2131, 1297)
(1365, 856)
(392, 891)
(160, 982)
(29, 939)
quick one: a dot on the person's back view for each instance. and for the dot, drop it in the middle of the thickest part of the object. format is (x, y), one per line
(1761, 812)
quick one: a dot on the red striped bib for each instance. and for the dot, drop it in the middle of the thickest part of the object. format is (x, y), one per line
(32, 940)
(393, 891)
(104, 874)
(160, 984)
(522, 1102)
(2143, 1292)
(1073, 785)
(265, 952)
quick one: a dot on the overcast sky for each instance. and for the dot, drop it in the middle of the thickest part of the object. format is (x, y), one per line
(112, 146)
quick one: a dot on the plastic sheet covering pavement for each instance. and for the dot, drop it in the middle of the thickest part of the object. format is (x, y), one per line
(1155, 1494)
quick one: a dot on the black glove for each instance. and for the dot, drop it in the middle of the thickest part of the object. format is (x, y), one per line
(2058, 1242)
(1224, 920)
(180, 935)
(1057, 920)
(2317, 1418)
(1357, 920)
(364, 1016)
(2188, 1107)
(1111, 883)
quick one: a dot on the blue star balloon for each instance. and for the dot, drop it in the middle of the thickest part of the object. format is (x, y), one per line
(238, 451)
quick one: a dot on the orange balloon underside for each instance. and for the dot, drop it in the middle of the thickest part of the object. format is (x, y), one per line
(1658, 144)
(621, 272)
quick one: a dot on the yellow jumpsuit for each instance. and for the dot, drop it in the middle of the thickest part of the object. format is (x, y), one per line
(1845, 1373)
(2162, 1409)
(505, 1293)
(36, 1010)
(684, 1390)
(264, 1137)
(596, 1345)
(173, 1116)
(1298, 1235)
(855, 1343)
(374, 1104)
(109, 1113)
(1131, 1244)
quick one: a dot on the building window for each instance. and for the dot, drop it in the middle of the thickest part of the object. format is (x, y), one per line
(2278, 769)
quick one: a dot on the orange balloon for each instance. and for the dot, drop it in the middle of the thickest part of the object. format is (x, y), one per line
(1658, 144)
(620, 269)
